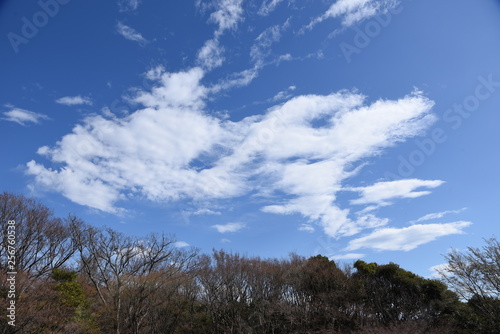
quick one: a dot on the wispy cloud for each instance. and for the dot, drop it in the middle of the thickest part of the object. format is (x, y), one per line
(210, 55)
(229, 227)
(348, 256)
(268, 6)
(262, 45)
(352, 12)
(181, 244)
(74, 100)
(306, 228)
(437, 215)
(259, 51)
(239, 79)
(206, 212)
(128, 5)
(407, 238)
(22, 116)
(283, 95)
(130, 33)
(227, 15)
(382, 193)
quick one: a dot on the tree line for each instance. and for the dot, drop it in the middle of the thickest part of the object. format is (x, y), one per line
(73, 277)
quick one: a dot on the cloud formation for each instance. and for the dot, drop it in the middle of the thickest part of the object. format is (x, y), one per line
(74, 100)
(293, 158)
(349, 256)
(171, 150)
(181, 244)
(268, 6)
(306, 228)
(227, 15)
(210, 55)
(406, 238)
(283, 95)
(22, 116)
(382, 193)
(437, 215)
(262, 45)
(130, 33)
(352, 12)
(229, 227)
(128, 5)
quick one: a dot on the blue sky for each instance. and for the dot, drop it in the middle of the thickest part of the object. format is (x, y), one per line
(349, 128)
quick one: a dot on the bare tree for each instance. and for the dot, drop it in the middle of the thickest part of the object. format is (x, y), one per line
(39, 242)
(42, 241)
(127, 272)
(475, 276)
(250, 295)
(475, 272)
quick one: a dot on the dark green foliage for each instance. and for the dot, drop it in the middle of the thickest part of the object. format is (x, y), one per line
(72, 296)
(393, 294)
(61, 275)
(326, 291)
(71, 290)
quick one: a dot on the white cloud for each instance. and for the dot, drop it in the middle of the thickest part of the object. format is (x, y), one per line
(130, 33)
(147, 152)
(227, 15)
(438, 270)
(348, 256)
(76, 185)
(174, 90)
(350, 132)
(437, 215)
(283, 95)
(74, 100)
(172, 149)
(268, 6)
(107, 112)
(181, 244)
(364, 221)
(352, 12)
(262, 45)
(205, 212)
(128, 5)
(239, 79)
(407, 238)
(210, 55)
(229, 227)
(22, 116)
(382, 192)
(306, 228)
(284, 57)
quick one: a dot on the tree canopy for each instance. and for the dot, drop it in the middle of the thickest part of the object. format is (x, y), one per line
(76, 278)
